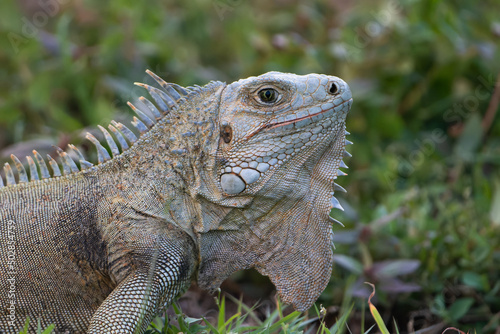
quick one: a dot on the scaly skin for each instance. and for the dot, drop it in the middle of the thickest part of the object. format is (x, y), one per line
(230, 177)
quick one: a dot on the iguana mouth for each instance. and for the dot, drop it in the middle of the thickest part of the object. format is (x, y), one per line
(277, 123)
(295, 120)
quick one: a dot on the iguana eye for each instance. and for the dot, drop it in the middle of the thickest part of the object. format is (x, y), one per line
(268, 95)
(226, 132)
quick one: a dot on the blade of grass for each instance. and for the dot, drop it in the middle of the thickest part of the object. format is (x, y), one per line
(222, 314)
(346, 300)
(283, 320)
(228, 322)
(249, 310)
(363, 311)
(49, 329)
(180, 319)
(340, 323)
(26, 326)
(369, 329)
(396, 325)
(212, 328)
(375, 313)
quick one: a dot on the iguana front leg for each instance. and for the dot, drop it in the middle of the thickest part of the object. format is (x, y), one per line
(129, 308)
(146, 291)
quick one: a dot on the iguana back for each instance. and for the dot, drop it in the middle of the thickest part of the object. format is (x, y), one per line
(221, 178)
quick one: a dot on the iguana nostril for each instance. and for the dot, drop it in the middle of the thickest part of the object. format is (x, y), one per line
(334, 88)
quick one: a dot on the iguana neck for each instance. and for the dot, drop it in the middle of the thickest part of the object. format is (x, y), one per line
(167, 171)
(189, 128)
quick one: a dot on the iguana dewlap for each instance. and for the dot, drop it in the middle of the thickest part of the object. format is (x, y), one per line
(220, 178)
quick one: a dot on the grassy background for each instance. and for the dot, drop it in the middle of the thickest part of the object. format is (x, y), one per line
(423, 205)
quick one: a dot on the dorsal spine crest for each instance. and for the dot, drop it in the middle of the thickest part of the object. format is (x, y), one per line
(167, 99)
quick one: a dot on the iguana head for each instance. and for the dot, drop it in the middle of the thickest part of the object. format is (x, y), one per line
(281, 142)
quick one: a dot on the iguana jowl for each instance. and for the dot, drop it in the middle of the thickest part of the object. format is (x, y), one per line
(222, 178)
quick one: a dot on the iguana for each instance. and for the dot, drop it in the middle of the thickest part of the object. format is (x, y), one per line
(221, 178)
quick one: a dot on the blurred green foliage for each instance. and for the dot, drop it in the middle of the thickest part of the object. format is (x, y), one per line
(424, 180)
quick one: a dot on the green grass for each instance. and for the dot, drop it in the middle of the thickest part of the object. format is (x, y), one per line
(39, 330)
(276, 322)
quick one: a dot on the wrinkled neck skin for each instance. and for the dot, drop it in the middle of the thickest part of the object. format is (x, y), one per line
(283, 230)
(159, 175)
